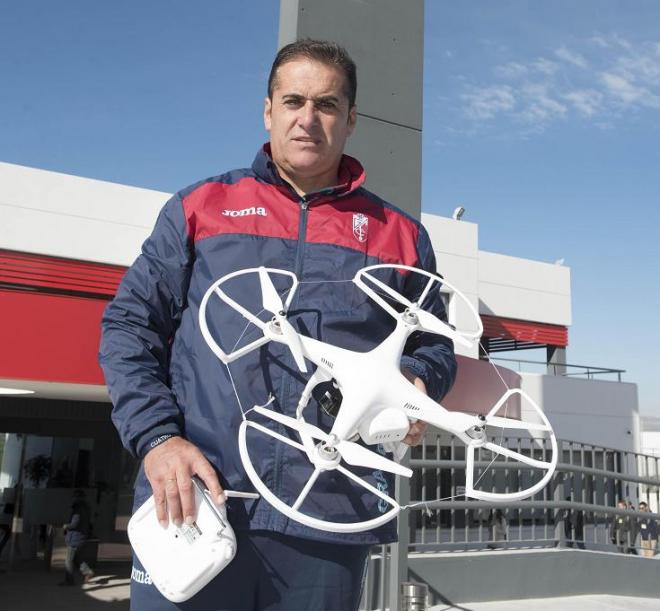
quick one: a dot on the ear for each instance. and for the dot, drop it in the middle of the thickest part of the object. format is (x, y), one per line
(352, 119)
(268, 106)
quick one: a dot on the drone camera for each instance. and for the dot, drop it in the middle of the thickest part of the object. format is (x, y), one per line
(330, 401)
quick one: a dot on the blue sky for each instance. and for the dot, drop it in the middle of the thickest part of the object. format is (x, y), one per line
(541, 119)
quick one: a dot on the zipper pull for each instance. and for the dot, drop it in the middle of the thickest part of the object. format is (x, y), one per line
(304, 205)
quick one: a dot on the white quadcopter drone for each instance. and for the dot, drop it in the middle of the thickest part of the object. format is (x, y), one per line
(379, 402)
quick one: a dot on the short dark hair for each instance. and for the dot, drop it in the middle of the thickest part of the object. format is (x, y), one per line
(322, 51)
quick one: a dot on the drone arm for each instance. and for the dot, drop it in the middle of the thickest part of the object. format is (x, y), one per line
(419, 406)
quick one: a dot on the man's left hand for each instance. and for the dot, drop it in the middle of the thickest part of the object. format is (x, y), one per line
(418, 428)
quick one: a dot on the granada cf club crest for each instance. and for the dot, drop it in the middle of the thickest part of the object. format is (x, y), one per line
(360, 227)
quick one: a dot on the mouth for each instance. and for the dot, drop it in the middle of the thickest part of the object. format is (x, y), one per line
(307, 140)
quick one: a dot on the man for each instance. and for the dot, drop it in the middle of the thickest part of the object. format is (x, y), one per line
(648, 532)
(620, 532)
(632, 546)
(301, 207)
(76, 533)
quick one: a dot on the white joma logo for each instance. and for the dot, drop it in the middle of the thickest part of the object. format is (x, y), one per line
(246, 212)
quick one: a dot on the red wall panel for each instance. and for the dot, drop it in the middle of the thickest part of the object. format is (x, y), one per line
(50, 338)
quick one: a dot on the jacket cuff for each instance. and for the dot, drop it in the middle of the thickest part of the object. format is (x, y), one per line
(154, 437)
(412, 364)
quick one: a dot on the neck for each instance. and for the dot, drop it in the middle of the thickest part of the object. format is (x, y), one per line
(303, 185)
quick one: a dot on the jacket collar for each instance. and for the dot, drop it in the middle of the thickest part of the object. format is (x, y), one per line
(351, 176)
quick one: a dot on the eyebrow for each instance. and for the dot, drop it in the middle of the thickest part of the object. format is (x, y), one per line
(322, 98)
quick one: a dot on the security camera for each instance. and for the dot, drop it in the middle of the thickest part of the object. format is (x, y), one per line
(458, 213)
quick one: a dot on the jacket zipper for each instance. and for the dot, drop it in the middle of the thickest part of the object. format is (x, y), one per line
(302, 232)
(286, 382)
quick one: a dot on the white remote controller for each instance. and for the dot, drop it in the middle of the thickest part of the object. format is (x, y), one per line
(181, 560)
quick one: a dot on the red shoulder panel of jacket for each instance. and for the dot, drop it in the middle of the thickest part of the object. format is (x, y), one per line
(254, 208)
(362, 224)
(247, 206)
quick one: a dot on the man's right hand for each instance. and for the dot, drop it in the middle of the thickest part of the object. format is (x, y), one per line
(169, 467)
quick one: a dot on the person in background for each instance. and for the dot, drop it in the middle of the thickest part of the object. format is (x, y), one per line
(500, 529)
(76, 533)
(648, 530)
(578, 526)
(567, 517)
(634, 528)
(620, 529)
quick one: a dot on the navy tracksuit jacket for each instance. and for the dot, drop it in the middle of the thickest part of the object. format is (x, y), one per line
(164, 379)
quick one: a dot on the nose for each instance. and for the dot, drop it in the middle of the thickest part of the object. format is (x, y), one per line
(307, 115)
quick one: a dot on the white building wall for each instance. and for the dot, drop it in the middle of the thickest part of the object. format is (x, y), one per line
(77, 218)
(597, 412)
(510, 287)
(456, 248)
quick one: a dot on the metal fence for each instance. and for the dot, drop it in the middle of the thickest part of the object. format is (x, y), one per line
(577, 509)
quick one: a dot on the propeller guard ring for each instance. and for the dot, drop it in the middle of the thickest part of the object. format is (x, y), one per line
(295, 514)
(268, 332)
(549, 466)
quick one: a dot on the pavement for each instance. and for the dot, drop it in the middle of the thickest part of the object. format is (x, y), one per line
(30, 586)
(591, 602)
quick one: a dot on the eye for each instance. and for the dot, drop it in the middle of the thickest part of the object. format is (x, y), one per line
(326, 105)
(292, 102)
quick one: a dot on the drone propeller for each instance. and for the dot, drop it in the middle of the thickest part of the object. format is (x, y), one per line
(431, 323)
(510, 423)
(353, 453)
(272, 302)
(424, 319)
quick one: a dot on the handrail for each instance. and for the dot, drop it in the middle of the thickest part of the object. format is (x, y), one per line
(587, 507)
(460, 464)
(590, 370)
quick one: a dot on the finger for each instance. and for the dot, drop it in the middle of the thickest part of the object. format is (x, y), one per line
(187, 495)
(204, 469)
(173, 500)
(415, 433)
(161, 506)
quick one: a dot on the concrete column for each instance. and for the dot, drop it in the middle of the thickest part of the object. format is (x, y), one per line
(556, 360)
(386, 41)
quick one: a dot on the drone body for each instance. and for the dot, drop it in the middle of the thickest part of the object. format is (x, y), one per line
(378, 403)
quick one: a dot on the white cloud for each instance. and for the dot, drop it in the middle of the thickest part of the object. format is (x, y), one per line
(586, 101)
(571, 57)
(627, 92)
(486, 102)
(645, 68)
(540, 106)
(511, 70)
(545, 66)
(594, 80)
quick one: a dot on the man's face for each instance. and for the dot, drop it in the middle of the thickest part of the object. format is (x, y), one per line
(309, 120)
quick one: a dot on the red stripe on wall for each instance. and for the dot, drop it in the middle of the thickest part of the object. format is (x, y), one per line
(525, 331)
(25, 270)
(50, 338)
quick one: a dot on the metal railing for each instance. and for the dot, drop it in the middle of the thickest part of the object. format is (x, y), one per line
(562, 369)
(576, 509)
